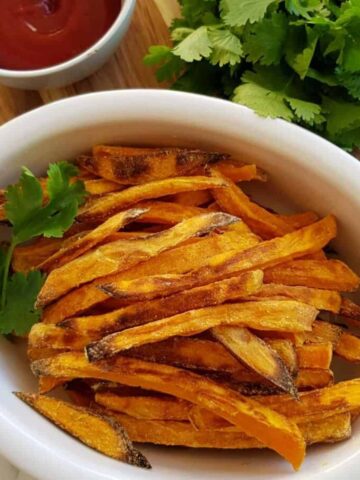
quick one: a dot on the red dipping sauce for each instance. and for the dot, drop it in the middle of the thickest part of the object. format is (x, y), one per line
(41, 33)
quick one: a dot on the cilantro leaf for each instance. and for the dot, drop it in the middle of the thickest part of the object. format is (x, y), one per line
(270, 93)
(200, 77)
(169, 67)
(304, 8)
(236, 13)
(195, 46)
(351, 81)
(341, 116)
(300, 49)
(194, 11)
(264, 41)
(226, 47)
(24, 203)
(19, 314)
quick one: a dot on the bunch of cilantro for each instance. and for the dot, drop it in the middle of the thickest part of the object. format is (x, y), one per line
(293, 59)
(32, 215)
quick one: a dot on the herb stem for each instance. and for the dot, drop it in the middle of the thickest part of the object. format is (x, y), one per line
(9, 254)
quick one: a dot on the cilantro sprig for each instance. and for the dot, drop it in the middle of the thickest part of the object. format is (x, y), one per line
(33, 214)
(293, 59)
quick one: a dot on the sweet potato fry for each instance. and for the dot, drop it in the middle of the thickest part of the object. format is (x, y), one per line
(273, 430)
(90, 240)
(267, 315)
(256, 354)
(348, 347)
(107, 205)
(329, 429)
(233, 200)
(300, 220)
(324, 332)
(268, 253)
(102, 433)
(328, 274)
(316, 355)
(27, 257)
(99, 186)
(77, 332)
(167, 213)
(220, 266)
(193, 199)
(350, 309)
(132, 166)
(47, 384)
(146, 407)
(317, 404)
(286, 350)
(321, 299)
(177, 260)
(310, 378)
(122, 254)
(241, 172)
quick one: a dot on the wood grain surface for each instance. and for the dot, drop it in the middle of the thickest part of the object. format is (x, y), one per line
(124, 70)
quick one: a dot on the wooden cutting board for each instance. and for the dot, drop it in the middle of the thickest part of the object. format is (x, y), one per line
(124, 70)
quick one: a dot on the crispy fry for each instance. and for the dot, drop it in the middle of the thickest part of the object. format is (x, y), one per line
(310, 378)
(334, 429)
(193, 199)
(256, 354)
(350, 309)
(328, 274)
(27, 257)
(122, 254)
(77, 332)
(324, 332)
(99, 186)
(267, 315)
(233, 200)
(131, 166)
(318, 404)
(316, 355)
(318, 298)
(275, 431)
(97, 431)
(167, 213)
(348, 347)
(241, 172)
(286, 349)
(300, 220)
(272, 252)
(220, 266)
(107, 205)
(47, 384)
(177, 260)
(36, 353)
(93, 238)
(146, 407)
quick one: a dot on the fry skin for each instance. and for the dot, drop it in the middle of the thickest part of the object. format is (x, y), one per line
(334, 429)
(256, 354)
(268, 315)
(321, 299)
(131, 166)
(146, 407)
(348, 347)
(233, 200)
(177, 260)
(77, 332)
(93, 238)
(102, 433)
(122, 254)
(275, 431)
(100, 209)
(327, 274)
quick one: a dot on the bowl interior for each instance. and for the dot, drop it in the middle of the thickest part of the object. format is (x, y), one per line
(305, 173)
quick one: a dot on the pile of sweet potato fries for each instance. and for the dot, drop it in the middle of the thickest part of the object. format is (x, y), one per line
(177, 311)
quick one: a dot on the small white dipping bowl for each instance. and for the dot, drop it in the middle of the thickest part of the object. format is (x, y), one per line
(305, 172)
(78, 67)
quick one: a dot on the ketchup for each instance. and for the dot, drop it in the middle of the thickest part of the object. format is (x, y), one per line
(41, 33)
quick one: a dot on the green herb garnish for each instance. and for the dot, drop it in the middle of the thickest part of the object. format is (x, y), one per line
(32, 215)
(293, 59)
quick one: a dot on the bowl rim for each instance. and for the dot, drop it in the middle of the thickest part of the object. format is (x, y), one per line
(18, 434)
(126, 10)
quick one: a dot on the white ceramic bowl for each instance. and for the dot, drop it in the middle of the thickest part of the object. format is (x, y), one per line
(307, 171)
(78, 67)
